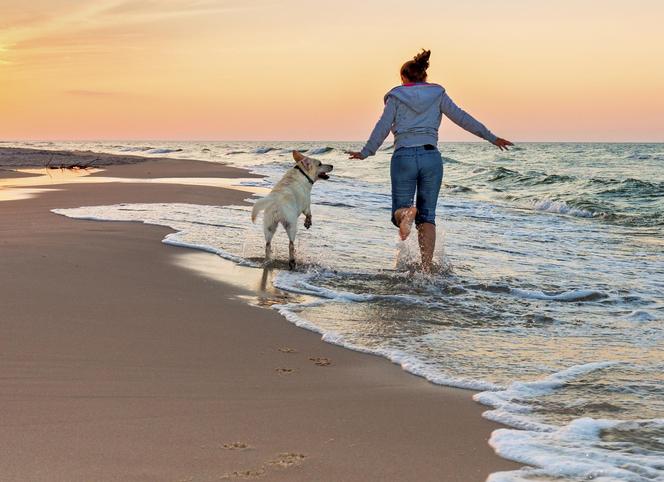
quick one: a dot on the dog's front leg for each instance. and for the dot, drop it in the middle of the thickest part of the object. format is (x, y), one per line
(307, 217)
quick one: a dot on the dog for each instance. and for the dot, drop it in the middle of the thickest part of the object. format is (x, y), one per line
(290, 198)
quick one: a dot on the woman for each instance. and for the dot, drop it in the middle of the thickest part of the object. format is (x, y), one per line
(413, 112)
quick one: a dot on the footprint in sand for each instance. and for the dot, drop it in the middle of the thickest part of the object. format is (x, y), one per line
(321, 361)
(288, 459)
(245, 474)
(285, 349)
(284, 460)
(284, 371)
(236, 446)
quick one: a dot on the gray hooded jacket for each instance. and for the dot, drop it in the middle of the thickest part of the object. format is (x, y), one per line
(413, 113)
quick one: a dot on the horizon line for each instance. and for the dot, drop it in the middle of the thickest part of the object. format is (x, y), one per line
(3, 141)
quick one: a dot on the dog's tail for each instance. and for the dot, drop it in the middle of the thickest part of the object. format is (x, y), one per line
(258, 207)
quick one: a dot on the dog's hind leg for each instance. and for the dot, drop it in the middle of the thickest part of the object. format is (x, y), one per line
(291, 255)
(291, 230)
(269, 230)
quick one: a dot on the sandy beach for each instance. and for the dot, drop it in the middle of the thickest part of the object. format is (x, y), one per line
(121, 363)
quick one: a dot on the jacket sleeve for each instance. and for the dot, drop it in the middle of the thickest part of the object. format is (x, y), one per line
(382, 129)
(464, 120)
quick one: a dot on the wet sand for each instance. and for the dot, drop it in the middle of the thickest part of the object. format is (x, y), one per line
(126, 359)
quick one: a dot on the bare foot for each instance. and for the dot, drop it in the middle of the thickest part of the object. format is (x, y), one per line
(407, 216)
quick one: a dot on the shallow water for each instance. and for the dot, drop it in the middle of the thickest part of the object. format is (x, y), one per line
(549, 297)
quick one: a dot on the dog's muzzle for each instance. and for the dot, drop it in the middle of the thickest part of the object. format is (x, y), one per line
(323, 175)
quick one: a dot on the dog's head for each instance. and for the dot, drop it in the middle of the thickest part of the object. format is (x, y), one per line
(313, 167)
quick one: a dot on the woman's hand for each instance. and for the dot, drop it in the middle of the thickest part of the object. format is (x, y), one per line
(502, 144)
(355, 155)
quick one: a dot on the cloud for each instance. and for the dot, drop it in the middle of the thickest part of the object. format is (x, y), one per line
(156, 9)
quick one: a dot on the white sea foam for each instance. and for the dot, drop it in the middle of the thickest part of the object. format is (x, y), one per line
(263, 150)
(507, 408)
(162, 151)
(299, 282)
(576, 452)
(572, 295)
(175, 239)
(320, 150)
(134, 148)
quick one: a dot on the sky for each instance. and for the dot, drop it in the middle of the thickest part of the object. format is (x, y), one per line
(531, 70)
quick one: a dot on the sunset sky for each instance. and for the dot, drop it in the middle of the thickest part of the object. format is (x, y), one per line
(317, 70)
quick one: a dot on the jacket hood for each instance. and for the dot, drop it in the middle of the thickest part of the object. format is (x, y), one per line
(419, 97)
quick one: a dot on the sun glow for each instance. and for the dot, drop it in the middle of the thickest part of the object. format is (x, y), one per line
(253, 69)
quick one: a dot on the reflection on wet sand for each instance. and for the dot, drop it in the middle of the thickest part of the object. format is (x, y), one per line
(38, 180)
(256, 284)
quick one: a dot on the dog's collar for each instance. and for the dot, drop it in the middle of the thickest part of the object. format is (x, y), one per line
(304, 173)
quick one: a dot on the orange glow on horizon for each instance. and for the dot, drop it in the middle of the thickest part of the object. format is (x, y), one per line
(296, 70)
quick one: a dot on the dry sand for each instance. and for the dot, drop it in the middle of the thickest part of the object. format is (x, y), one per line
(118, 363)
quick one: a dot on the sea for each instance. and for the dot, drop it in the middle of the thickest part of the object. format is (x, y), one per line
(547, 298)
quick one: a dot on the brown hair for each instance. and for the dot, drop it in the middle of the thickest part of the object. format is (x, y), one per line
(416, 70)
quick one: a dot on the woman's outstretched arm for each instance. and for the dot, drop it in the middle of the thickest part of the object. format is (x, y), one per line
(467, 122)
(379, 133)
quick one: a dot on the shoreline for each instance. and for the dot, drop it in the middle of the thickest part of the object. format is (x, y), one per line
(152, 387)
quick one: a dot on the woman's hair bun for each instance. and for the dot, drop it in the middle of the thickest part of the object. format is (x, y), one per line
(416, 70)
(422, 59)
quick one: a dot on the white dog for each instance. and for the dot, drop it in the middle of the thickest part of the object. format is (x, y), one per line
(290, 198)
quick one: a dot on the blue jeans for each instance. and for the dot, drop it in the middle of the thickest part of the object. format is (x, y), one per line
(416, 169)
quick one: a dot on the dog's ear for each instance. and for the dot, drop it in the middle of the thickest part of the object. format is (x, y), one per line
(302, 159)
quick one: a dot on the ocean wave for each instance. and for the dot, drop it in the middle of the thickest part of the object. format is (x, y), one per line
(630, 188)
(636, 188)
(264, 150)
(641, 315)
(567, 296)
(509, 177)
(510, 407)
(163, 150)
(561, 207)
(336, 204)
(456, 188)
(449, 160)
(501, 173)
(305, 283)
(135, 148)
(319, 150)
(577, 295)
(641, 157)
(620, 214)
